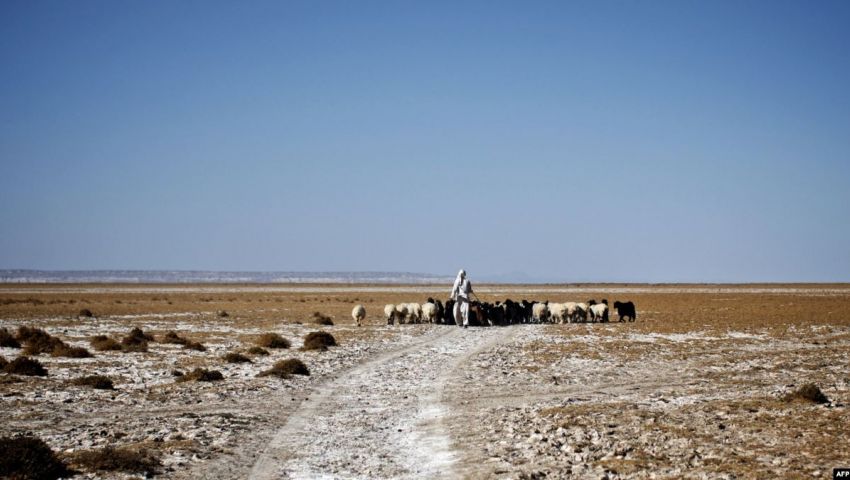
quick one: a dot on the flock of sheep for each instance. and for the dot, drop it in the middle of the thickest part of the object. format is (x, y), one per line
(501, 313)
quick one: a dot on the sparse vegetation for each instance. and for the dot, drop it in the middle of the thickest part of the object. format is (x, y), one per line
(807, 393)
(29, 458)
(8, 340)
(99, 382)
(64, 350)
(318, 341)
(172, 337)
(3, 362)
(85, 313)
(102, 343)
(136, 341)
(320, 318)
(36, 341)
(234, 357)
(273, 340)
(258, 351)
(109, 459)
(25, 366)
(223, 314)
(201, 375)
(285, 368)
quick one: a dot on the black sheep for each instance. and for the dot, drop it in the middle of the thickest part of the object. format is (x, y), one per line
(449, 313)
(626, 309)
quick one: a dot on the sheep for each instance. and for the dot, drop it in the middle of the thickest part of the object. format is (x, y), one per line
(448, 312)
(358, 313)
(581, 312)
(414, 312)
(539, 312)
(599, 312)
(570, 314)
(557, 312)
(389, 313)
(400, 313)
(429, 312)
(626, 309)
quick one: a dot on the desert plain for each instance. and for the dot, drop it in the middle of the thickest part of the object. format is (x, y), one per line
(710, 381)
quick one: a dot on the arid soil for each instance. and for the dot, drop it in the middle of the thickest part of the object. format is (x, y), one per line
(697, 387)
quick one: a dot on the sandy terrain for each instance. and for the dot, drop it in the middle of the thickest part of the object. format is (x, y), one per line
(693, 389)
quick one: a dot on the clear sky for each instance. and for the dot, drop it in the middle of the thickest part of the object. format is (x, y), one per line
(572, 141)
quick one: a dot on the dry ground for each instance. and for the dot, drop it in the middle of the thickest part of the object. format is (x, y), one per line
(692, 389)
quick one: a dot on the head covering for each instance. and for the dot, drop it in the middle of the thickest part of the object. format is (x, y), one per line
(461, 273)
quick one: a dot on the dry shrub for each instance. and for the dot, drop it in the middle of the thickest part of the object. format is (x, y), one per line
(137, 333)
(136, 341)
(85, 313)
(273, 340)
(258, 351)
(191, 345)
(65, 350)
(30, 458)
(234, 357)
(320, 318)
(102, 343)
(3, 362)
(99, 382)
(125, 459)
(201, 375)
(809, 393)
(25, 366)
(318, 341)
(285, 368)
(37, 341)
(8, 340)
(172, 337)
(223, 314)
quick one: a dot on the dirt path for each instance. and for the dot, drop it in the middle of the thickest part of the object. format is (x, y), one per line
(381, 419)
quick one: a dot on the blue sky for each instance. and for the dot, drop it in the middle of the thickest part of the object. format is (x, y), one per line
(569, 141)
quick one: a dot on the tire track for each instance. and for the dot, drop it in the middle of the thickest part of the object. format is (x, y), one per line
(381, 419)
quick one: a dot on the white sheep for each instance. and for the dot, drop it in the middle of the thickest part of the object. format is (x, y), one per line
(429, 312)
(358, 313)
(389, 313)
(414, 312)
(571, 311)
(539, 312)
(599, 312)
(557, 312)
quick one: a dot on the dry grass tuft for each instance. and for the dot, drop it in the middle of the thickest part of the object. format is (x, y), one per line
(136, 341)
(258, 351)
(234, 357)
(285, 368)
(808, 393)
(3, 362)
(223, 314)
(320, 318)
(99, 382)
(172, 337)
(85, 313)
(8, 340)
(36, 341)
(25, 366)
(30, 458)
(318, 341)
(201, 375)
(111, 459)
(65, 350)
(102, 343)
(273, 340)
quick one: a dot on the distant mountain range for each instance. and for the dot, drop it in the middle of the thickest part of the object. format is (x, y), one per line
(191, 276)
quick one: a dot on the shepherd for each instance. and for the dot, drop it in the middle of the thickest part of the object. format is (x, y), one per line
(461, 290)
